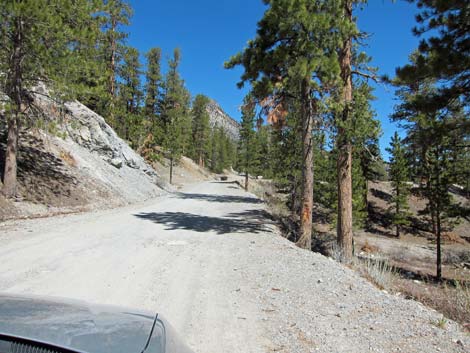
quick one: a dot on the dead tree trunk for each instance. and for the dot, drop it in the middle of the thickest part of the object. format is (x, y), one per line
(344, 164)
(305, 239)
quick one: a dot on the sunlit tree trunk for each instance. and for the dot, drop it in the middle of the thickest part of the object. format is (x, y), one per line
(10, 171)
(171, 170)
(344, 166)
(305, 239)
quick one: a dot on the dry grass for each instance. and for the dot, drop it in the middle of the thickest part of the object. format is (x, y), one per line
(377, 271)
(452, 238)
(453, 301)
(368, 248)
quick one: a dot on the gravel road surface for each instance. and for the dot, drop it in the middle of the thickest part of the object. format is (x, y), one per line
(210, 259)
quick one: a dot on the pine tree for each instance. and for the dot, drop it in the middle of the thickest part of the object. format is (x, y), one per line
(247, 134)
(38, 41)
(292, 47)
(263, 152)
(399, 175)
(444, 55)
(153, 86)
(287, 155)
(130, 97)
(344, 161)
(90, 80)
(200, 129)
(175, 116)
(430, 133)
(115, 15)
(365, 132)
(348, 57)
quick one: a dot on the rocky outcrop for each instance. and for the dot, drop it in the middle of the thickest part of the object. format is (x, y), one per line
(218, 118)
(73, 161)
(90, 131)
(102, 154)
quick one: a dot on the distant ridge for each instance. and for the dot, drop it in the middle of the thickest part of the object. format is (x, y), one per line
(221, 119)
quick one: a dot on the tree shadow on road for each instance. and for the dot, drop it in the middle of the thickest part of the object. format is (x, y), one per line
(220, 198)
(244, 222)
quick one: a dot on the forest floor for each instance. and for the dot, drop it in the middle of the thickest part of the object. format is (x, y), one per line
(211, 259)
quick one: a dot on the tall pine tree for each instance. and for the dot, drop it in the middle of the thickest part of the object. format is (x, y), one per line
(175, 114)
(399, 176)
(153, 87)
(247, 134)
(130, 96)
(200, 129)
(115, 15)
(293, 48)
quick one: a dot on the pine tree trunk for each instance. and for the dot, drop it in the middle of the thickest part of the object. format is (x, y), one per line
(246, 180)
(112, 77)
(10, 170)
(305, 239)
(438, 247)
(366, 196)
(344, 166)
(397, 211)
(171, 170)
(438, 220)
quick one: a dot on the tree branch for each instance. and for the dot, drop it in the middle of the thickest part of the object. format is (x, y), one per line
(373, 77)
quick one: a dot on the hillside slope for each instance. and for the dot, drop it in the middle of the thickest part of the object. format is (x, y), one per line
(79, 164)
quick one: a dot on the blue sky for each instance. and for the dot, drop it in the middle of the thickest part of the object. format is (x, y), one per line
(209, 31)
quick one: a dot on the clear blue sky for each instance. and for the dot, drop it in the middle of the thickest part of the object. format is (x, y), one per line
(209, 31)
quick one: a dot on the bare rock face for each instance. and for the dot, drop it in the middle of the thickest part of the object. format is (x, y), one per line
(90, 130)
(102, 153)
(218, 118)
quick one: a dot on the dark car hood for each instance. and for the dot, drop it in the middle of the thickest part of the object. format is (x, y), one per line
(77, 325)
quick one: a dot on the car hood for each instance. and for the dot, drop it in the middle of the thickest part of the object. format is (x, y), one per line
(79, 326)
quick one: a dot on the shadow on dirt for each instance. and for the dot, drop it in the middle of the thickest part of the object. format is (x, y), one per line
(243, 222)
(220, 198)
(43, 178)
(381, 195)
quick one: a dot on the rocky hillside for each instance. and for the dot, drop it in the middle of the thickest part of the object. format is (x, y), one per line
(221, 119)
(78, 164)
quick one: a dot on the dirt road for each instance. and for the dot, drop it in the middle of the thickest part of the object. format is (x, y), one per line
(212, 262)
